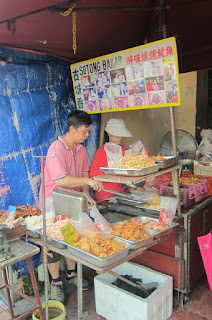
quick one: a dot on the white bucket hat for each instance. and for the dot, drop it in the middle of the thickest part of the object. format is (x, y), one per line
(117, 128)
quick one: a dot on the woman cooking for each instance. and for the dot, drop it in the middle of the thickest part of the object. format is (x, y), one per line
(115, 130)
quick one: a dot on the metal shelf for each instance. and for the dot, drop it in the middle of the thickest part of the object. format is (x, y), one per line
(132, 181)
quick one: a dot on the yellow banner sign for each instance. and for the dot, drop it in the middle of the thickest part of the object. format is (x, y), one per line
(143, 77)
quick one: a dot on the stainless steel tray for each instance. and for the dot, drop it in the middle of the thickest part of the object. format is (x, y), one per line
(129, 202)
(149, 210)
(69, 202)
(140, 242)
(159, 233)
(52, 241)
(130, 172)
(168, 161)
(97, 261)
(32, 233)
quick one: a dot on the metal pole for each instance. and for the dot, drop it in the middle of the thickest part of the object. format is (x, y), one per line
(45, 249)
(171, 111)
(79, 291)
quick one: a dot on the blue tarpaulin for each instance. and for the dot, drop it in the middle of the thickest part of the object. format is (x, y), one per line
(36, 97)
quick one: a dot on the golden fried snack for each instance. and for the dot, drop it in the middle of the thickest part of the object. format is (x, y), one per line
(100, 248)
(190, 180)
(133, 161)
(3, 217)
(157, 158)
(130, 230)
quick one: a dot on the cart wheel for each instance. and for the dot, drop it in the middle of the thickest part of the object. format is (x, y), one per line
(183, 298)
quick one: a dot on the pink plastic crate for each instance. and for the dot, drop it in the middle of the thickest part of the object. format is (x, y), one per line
(187, 193)
(201, 189)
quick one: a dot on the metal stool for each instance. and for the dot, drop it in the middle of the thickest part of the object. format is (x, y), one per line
(22, 250)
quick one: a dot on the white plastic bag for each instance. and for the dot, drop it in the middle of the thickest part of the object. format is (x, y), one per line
(138, 148)
(87, 228)
(100, 220)
(114, 154)
(168, 207)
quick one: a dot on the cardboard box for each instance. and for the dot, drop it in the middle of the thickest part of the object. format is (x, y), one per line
(114, 303)
(203, 169)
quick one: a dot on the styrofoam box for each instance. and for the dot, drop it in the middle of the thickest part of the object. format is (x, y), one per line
(114, 303)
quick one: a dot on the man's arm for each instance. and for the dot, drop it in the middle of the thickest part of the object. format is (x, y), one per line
(85, 189)
(71, 182)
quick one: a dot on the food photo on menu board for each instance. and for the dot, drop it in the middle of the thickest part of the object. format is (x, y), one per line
(141, 77)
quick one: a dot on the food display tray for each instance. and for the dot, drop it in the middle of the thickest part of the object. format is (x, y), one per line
(97, 261)
(130, 172)
(149, 210)
(32, 233)
(167, 162)
(140, 242)
(129, 202)
(159, 233)
(52, 241)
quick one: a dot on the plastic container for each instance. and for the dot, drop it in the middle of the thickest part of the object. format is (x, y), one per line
(56, 310)
(114, 303)
(201, 189)
(187, 193)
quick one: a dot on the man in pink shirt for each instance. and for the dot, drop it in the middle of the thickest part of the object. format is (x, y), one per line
(67, 167)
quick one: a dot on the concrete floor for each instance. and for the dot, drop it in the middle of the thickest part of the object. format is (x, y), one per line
(199, 306)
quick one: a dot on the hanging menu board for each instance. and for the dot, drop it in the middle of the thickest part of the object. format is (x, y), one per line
(138, 78)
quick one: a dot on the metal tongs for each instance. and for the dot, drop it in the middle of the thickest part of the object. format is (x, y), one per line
(126, 195)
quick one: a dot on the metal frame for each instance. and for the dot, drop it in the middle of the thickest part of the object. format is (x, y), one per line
(32, 250)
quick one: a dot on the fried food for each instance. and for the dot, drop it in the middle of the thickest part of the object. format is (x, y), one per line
(157, 158)
(190, 180)
(133, 161)
(154, 225)
(11, 222)
(54, 231)
(130, 230)
(100, 248)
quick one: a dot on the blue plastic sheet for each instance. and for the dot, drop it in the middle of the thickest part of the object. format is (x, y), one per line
(36, 96)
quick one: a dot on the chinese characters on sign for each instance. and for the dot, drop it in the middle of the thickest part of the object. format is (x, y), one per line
(142, 77)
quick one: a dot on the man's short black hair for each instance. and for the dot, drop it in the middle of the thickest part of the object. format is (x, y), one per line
(78, 118)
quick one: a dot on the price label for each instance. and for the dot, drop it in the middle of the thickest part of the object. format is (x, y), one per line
(69, 233)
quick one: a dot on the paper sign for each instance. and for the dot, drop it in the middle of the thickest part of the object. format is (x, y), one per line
(69, 233)
(142, 77)
(10, 209)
